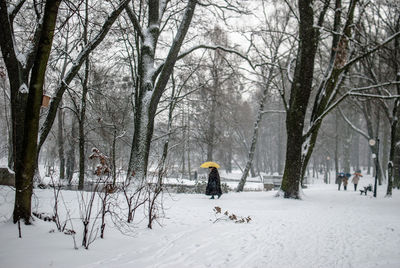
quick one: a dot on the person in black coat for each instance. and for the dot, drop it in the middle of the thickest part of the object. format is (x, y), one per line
(214, 183)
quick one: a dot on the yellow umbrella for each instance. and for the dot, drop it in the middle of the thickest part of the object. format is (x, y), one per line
(209, 164)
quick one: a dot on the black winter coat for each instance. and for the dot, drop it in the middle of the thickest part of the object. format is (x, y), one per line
(214, 183)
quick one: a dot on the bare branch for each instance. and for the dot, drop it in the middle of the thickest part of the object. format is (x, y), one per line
(374, 96)
(362, 133)
(207, 47)
(370, 51)
(134, 21)
(46, 127)
(15, 10)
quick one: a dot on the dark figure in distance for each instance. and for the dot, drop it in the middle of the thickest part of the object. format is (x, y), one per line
(214, 183)
(356, 179)
(339, 179)
(345, 182)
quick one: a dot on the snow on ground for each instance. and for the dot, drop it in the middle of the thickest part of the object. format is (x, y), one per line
(328, 228)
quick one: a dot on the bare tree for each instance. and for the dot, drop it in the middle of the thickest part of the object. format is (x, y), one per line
(300, 145)
(26, 100)
(151, 80)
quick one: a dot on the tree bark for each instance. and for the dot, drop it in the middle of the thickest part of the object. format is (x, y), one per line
(211, 121)
(82, 115)
(60, 141)
(151, 88)
(26, 163)
(299, 96)
(70, 168)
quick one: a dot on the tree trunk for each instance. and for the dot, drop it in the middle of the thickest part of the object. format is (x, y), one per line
(394, 156)
(26, 163)
(347, 150)
(60, 141)
(356, 146)
(188, 144)
(183, 141)
(211, 120)
(82, 116)
(280, 145)
(367, 110)
(337, 168)
(299, 96)
(385, 148)
(149, 90)
(70, 168)
(113, 157)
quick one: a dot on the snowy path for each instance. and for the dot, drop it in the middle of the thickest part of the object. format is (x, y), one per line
(326, 229)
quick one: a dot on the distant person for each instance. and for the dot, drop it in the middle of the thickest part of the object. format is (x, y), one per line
(214, 183)
(339, 179)
(345, 181)
(356, 179)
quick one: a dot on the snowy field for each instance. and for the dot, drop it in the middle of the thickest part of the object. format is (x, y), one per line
(328, 228)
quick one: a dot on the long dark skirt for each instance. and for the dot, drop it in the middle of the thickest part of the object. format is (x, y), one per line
(213, 187)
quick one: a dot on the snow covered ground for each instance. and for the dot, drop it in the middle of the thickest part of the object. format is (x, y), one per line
(328, 228)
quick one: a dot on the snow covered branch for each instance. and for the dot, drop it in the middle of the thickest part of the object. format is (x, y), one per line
(376, 86)
(273, 111)
(374, 96)
(362, 133)
(184, 54)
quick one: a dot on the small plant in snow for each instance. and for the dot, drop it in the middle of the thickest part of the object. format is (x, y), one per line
(103, 167)
(103, 188)
(226, 216)
(56, 216)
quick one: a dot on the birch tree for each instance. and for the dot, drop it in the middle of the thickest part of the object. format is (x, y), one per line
(273, 44)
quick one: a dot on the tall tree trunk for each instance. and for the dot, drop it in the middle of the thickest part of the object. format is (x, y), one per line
(113, 157)
(18, 80)
(367, 110)
(378, 159)
(188, 144)
(60, 142)
(183, 141)
(385, 148)
(70, 168)
(280, 145)
(26, 163)
(299, 96)
(82, 116)
(394, 155)
(347, 150)
(337, 168)
(149, 90)
(356, 146)
(211, 119)
(301, 89)
(6, 96)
